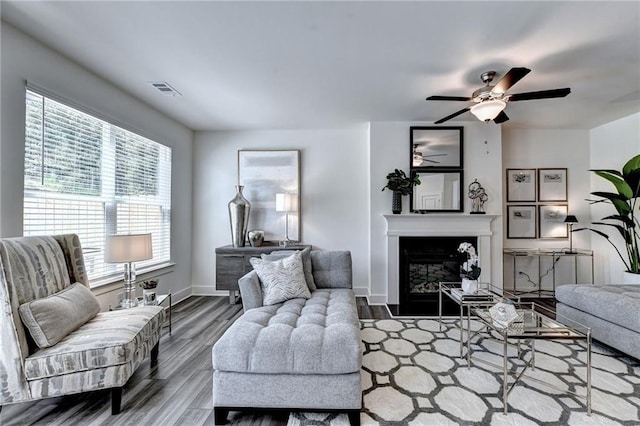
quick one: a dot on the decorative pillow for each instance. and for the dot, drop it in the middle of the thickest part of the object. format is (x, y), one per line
(306, 263)
(281, 279)
(52, 318)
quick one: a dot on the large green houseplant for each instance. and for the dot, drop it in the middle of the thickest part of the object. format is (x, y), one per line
(626, 220)
(400, 184)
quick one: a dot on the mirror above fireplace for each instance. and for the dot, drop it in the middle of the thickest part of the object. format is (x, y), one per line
(439, 191)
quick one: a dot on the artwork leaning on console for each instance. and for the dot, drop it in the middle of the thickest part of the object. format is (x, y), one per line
(264, 174)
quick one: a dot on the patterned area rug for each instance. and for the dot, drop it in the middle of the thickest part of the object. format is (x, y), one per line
(412, 375)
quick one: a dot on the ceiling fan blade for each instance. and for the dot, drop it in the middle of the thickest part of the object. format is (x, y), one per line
(510, 78)
(542, 94)
(449, 98)
(431, 161)
(501, 118)
(455, 114)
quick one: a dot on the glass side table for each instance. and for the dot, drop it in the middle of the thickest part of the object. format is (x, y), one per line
(487, 296)
(160, 299)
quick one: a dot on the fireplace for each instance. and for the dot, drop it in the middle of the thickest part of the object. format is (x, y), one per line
(424, 263)
(466, 227)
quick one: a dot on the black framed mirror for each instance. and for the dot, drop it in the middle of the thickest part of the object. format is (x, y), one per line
(436, 147)
(439, 191)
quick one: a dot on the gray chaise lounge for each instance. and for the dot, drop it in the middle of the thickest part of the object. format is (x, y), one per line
(300, 355)
(612, 312)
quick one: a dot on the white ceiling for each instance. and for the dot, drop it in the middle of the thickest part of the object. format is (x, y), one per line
(248, 65)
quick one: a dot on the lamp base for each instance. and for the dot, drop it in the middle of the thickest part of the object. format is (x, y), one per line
(128, 303)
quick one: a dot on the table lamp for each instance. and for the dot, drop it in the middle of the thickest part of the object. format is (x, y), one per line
(286, 202)
(128, 249)
(571, 219)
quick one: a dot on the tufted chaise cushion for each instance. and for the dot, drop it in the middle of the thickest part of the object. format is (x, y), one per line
(320, 335)
(614, 303)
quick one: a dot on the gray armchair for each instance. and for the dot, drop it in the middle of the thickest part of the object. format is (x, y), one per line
(53, 339)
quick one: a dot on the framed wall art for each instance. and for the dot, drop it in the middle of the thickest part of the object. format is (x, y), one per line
(521, 221)
(552, 184)
(436, 147)
(551, 221)
(265, 173)
(521, 185)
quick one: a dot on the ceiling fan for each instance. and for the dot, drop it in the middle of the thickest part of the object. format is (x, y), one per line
(419, 157)
(490, 101)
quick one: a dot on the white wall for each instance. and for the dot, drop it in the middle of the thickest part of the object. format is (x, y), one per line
(534, 148)
(611, 145)
(390, 148)
(24, 59)
(334, 193)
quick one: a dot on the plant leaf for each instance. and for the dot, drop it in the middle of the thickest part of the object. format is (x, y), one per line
(616, 179)
(626, 235)
(624, 219)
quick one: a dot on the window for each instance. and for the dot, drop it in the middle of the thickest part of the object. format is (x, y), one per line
(86, 176)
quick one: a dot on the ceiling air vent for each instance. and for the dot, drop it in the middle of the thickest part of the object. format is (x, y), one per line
(164, 88)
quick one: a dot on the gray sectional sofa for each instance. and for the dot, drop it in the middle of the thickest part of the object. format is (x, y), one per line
(302, 354)
(612, 312)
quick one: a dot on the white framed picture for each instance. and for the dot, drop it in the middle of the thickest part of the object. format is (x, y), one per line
(521, 185)
(265, 173)
(551, 220)
(521, 221)
(552, 184)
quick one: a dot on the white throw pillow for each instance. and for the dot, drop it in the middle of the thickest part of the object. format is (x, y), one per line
(50, 319)
(281, 279)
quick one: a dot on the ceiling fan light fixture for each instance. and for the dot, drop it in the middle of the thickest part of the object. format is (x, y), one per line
(488, 110)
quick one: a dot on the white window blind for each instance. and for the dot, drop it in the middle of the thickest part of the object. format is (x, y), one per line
(86, 176)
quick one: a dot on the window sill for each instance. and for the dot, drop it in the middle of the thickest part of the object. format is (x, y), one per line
(108, 284)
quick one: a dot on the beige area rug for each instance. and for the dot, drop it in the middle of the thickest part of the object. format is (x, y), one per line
(412, 375)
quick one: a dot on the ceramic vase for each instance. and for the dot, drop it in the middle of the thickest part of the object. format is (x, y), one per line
(396, 202)
(256, 237)
(239, 209)
(469, 286)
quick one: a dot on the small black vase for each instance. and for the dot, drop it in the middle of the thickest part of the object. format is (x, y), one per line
(396, 202)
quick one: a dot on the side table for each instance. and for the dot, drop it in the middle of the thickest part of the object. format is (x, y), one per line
(161, 298)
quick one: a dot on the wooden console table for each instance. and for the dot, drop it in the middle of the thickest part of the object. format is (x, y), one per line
(233, 262)
(555, 256)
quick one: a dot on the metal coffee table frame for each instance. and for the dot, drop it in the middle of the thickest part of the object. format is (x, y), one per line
(487, 295)
(534, 326)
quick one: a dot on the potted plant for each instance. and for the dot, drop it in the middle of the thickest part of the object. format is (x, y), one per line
(625, 219)
(149, 292)
(400, 184)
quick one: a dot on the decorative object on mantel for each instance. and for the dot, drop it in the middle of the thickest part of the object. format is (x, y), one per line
(625, 202)
(570, 220)
(400, 184)
(149, 292)
(470, 271)
(478, 197)
(256, 237)
(239, 208)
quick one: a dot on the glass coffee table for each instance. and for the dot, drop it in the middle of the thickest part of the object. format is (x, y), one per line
(531, 324)
(487, 295)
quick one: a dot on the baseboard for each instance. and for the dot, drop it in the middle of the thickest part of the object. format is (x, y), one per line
(361, 291)
(201, 290)
(181, 295)
(377, 299)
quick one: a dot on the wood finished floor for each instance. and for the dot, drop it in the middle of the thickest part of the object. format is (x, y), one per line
(175, 392)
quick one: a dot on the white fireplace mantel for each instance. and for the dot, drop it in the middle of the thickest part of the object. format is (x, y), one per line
(434, 225)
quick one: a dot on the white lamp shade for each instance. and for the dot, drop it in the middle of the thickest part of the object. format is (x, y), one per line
(488, 110)
(128, 248)
(286, 202)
